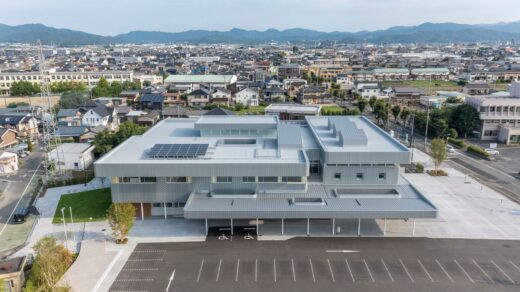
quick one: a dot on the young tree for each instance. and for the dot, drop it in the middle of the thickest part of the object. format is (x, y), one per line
(405, 113)
(396, 110)
(372, 102)
(381, 111)
(51, 261)
(121, 218)
(362, 104)
(438, 152)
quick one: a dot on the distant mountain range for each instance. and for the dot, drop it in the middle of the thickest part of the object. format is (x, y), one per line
(423, 33)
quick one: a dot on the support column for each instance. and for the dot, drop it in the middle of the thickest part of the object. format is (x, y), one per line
(257, 230)
(282, 227)
(142, 212)
(359, 227)
(384, 229)
(307, 226)
(333, 225)
(231, 226)
(413, 230)
(207, 230)
(164, 207)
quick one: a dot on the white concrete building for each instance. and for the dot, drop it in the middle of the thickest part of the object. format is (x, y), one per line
(73, 156)
(8, 162)
(192, 82)
(247, 96)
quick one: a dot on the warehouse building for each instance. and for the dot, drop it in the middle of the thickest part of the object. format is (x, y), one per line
(253, 168)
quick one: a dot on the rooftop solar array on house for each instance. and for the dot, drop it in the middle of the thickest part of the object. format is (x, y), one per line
(178, 150)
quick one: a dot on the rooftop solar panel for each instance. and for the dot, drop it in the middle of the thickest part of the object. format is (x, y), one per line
(178, 150)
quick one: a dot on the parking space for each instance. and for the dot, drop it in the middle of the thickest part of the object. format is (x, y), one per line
(390, 264)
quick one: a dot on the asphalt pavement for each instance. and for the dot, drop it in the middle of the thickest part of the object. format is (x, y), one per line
(323, 264)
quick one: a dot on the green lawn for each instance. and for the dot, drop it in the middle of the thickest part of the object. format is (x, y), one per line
(257, 110)
(436, 85)
(332, 108)
(85, 205)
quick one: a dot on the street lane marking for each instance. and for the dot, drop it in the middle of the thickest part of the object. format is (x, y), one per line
(134, 280)
(145, 260)
(312, 270)
(341, 250)
(387, 270)
(514, 265)
(350, 271)
(406, 270)
(368, 269)
(200, 270)
(503, 272)
(444, 270)
(425, 270)
(238, 267)
(274, 265)
(330, 269)
(483, 272)
(170, 280)
(256, 269)
(140, 269)
(293, 272)
(218, 271)
(148, 251)
(464, 271)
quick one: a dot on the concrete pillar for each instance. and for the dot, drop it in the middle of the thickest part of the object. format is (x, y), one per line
(384, 228)
(231, 226)
(164, 207)
(413, 230)
(333, 225)
(142, 212)
(207, 230)
(282, 227)
(359, 227)
(307, 226)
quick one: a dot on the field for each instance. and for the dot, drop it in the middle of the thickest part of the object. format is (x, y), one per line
(33, 100)
(430, 88)
(86, 206)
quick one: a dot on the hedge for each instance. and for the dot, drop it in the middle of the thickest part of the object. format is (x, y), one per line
(457, 142)
(477, 150)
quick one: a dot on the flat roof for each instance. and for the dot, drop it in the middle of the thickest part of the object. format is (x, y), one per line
(200, 79)
(293, 108)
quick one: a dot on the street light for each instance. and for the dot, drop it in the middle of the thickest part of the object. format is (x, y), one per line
(64, 226)
(72, 222)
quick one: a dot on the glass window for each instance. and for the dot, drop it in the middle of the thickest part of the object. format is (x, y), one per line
(148, 179)
(291, 179)
(359, 176)
(128, 179)
(177, 179)
(248, 179)
(381, 176)
(157, 205)
(224, 179)
(268, 179)
(337, 175)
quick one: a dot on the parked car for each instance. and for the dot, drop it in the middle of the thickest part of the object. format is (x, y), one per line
(20, 215)
(491, 151)
(450, 149)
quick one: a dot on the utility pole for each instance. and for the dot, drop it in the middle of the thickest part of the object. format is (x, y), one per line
(411, 137)
(426, 130)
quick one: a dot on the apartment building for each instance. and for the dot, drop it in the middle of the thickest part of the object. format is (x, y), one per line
(90, 79)
(258, 167)
(193, 82)
(499, 116)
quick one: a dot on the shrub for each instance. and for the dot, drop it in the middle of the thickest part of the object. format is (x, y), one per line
(477, 150)
(438, 172)
(419, 167)
(457, 142)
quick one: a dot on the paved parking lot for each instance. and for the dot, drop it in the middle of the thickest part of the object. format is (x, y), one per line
(326, 264)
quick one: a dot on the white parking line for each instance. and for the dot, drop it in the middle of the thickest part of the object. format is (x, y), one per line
(369, 272)
(200, 270)
(387, 270)
(218, 271)
(514, 265)
(238, 267)
(444, 270)
(406, 270)
(274, 265)
(293, 272)
(312, 270)
(256, 270)
(464, 271)
(134, 280)
(350, 271)
(140, 269)
(148, 251)
(330, 269)
(503, 272)
(425, 270)
(483, 272)
(145, 260)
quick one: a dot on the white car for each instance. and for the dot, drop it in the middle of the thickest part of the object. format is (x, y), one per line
(492, 151)
(450, 149)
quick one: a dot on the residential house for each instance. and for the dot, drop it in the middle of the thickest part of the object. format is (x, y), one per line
(73, 156)
(294, 86)
(368, 89)
(150, 118)
(181, 112)
(289, 71)
(174, 96)
(152, 101)
(199, 97)
(221, 96)
(73, 132)
(314, 95)
(69, 117)
(477, 89)
(407, 96)
(7, 138)
(8, 162)
(247, 96)
(25, 125)
(274, 94)
(130, 95)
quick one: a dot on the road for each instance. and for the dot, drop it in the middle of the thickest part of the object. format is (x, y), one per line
(17, 184)
(324, 264)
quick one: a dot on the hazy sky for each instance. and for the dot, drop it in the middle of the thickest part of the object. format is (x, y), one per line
(110, 17)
